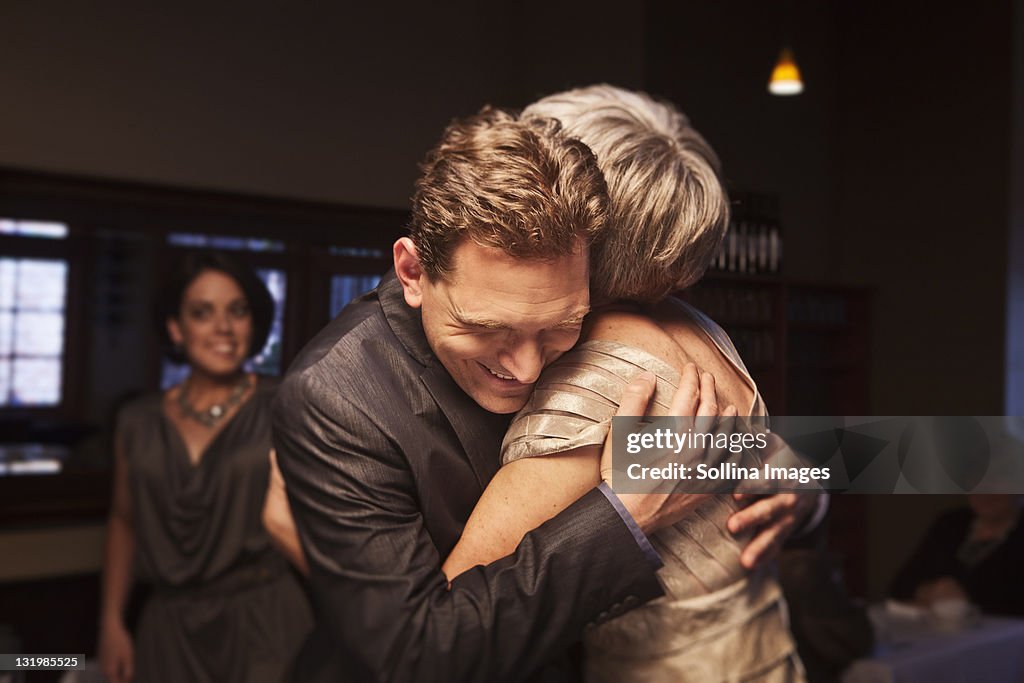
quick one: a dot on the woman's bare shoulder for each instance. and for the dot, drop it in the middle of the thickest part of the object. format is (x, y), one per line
(638, 330)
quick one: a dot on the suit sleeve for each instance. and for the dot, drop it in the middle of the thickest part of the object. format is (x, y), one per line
(375, 573)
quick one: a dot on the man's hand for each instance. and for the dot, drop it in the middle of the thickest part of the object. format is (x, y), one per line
(775, 517)
(695, 397)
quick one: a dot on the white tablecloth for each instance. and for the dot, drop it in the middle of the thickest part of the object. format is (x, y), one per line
(991, 650)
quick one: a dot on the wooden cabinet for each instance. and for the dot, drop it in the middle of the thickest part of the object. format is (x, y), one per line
(807, 346)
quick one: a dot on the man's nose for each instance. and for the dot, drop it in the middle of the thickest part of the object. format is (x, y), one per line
(525, 361)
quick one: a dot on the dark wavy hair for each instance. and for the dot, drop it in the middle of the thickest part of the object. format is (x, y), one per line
(261, 303)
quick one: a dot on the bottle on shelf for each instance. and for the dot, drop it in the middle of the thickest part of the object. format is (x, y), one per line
(752, 244)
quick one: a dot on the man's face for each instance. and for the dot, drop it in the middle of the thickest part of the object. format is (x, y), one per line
(496, 321)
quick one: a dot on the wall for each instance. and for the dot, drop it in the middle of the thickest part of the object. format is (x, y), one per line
(714, 61)
(924, 140)
(333, 101)
(57, 551)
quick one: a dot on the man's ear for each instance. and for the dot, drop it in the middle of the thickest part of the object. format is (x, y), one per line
(410, 272)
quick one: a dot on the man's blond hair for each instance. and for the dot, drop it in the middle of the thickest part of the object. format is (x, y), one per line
(520, 185)
(668, 210)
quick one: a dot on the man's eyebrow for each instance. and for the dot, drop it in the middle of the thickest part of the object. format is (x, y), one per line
(470, 321)
(488, 324)
(575, 319)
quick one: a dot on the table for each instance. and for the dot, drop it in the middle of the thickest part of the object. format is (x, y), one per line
(989, 650)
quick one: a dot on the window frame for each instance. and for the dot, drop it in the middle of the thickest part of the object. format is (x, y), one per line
(91, 208)
(75, 307)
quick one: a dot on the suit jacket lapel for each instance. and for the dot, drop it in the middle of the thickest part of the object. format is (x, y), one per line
(405, 321)
(480, 432)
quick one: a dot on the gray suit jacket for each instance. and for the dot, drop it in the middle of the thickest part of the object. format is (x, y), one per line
(384, 458)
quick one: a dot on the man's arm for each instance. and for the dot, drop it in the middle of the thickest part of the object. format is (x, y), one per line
(375, 573)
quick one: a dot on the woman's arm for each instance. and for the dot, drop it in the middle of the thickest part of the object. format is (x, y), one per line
(278, 520)
(522, 495)
(116, 652)
(526, 493)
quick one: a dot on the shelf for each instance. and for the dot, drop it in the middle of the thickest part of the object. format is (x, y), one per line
(726, 277)
(819, 327)
(748, 325)
(836, 366)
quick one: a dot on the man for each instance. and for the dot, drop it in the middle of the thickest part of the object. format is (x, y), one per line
(388, 427)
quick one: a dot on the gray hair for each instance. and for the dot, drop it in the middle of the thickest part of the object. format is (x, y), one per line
(668, 211)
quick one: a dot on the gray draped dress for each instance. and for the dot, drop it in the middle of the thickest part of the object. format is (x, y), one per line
(224, 606)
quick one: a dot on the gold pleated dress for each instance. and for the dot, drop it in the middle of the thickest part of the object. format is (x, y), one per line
(716, 621)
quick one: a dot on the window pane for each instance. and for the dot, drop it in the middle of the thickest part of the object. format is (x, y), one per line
(7, 280)
(173, 374)
(39, 334)
(6, 333)
(257, 244)
(33, 228)
(344, 288)
(5, 381)
(357, 252)
(36, 381)
(41, 284)
(268, 361)
(32, 293)
(186, 239)
(191, 239)
(42, 229)
(229, 243)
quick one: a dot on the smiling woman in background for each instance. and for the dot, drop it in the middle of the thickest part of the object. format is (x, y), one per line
(190, 475)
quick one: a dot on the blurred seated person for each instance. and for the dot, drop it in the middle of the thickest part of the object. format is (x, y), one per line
(974, 554)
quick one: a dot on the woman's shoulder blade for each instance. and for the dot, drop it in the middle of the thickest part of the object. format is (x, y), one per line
(638, 331)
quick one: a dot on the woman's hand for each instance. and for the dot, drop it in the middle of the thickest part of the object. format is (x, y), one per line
(278, 521)
(117, 653)
(695, 397)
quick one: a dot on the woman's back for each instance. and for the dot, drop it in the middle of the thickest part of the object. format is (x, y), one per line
(715, 616)
(678, 333)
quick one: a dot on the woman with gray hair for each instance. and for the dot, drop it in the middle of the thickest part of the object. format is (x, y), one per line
(718, 619)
